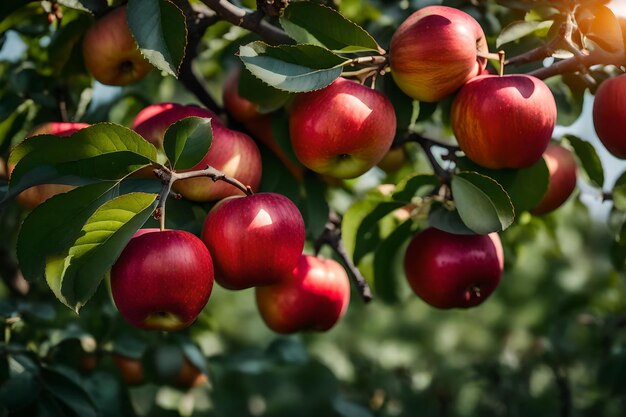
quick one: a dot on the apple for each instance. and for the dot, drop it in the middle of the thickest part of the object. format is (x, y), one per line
(313, 297)
(609, 115)
(162, 279)
(504, 121)
(110, 52)
(342, 130)
(132, 373)
(152, 122)
(562, 167)
(255, 240)
(435, 51)
(393, 160)
(258, 124)
(34, 196)
(453, 271)
(232, 152)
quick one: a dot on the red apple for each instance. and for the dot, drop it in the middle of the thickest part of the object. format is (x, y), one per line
(562, 167)
(258, 124)
(110, 52)
(609, 115)
(132, 373)
(255, 240)
(153, 121)
(435, 51)
(453, 271)
(504, 121)
(36, 195)
(342, 130)
(232, 152)
(313, 297)
(162, 279)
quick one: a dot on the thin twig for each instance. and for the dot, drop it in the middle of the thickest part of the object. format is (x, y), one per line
(427, 145)
(248, 20)
(332, 236)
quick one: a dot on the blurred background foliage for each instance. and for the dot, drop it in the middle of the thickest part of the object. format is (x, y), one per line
(550, 341)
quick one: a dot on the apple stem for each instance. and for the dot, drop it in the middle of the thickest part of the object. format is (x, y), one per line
(332, 236)
(488, 55)
(501, 57)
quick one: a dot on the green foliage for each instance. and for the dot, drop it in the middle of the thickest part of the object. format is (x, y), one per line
(549, 340)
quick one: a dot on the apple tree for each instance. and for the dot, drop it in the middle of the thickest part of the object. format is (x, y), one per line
(312, 208)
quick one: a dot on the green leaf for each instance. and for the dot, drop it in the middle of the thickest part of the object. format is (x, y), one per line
(414, 186)
(359, 224)
(447, 220)
(293, 68)
(265, 97)
(515, 181)
(65, 40)
(54, 225)
(91, 6)
(99, 152)
(619, 193)
(68, 391)
(589, 159)
(520, 28)
(8, 7)
(280, 131)
(313, 23)
(19, 391)
(388, 263)
(75, 276)
(160, 30)
(187, 141)
(482, 203)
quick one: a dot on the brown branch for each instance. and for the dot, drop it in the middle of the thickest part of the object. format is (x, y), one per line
(427, 145)
(332, 236)
(249, 20)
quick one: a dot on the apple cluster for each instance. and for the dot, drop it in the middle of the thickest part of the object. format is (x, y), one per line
(247, 241)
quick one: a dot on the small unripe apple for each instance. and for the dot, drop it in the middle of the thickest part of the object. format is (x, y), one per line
(393, 160)
(152, 122)
(609, 115)
(236, 155)
(313, 297)
(110, 52)
(162, 279)
(562, 167)
(435, 51)
(342, 130)
(453, 271)
(504, 121)
(254, 240)
(34, 196)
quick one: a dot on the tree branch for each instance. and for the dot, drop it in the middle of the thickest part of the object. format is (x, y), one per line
(249, 20)
(427, 145)
(332, 236)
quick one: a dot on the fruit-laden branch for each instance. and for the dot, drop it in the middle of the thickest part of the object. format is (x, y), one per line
(332, 236)
(169, 177)
(252, 21)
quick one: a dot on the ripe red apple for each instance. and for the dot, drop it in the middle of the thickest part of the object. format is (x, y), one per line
(153, 121)
(342, 130)
(162, 279)
(453, 271)
(609, 115)
(313, 297)
(435, 51)
(504, 121)
(232, 152)
(562, 167)
(110, 52)
(258, 124)
(36, 195)
(255, 240)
